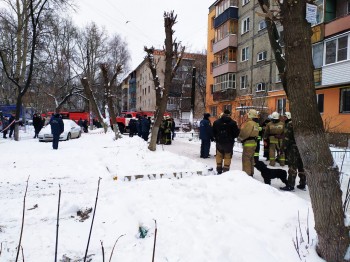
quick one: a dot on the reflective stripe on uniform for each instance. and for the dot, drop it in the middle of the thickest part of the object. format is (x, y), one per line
(249, 144)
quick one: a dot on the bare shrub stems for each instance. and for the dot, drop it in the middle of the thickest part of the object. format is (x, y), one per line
(92, 222)
(24, 209)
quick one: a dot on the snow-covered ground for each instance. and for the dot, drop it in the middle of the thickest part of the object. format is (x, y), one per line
(200, 217)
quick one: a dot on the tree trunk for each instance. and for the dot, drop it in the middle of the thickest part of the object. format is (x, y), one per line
(92, 100)
(321, 170)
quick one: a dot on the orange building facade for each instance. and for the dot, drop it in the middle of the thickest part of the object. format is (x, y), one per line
(250, 72)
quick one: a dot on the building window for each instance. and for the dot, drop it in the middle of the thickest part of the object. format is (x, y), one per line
(317, 55)
(223, 5)
(262, 25)
(225, 56)
(278, 76)
(320, 102)
(214, 111)
(260, 87)
(345, 100)
(336, 50)
(211, 89)
(281, 106)
(245, 54)
(225, 81)
(230, 27)
(245, 25)
(227, 107)
(262, 56)
(244, 82)
(244, 2)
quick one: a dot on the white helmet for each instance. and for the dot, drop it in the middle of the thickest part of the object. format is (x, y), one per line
(252, 113)
(288, 115)
(275, 115)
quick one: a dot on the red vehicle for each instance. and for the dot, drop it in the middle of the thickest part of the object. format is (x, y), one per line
(124, 118)
(74, 115)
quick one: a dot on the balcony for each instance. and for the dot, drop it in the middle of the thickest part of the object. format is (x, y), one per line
(338, 25)
(230, 40)
(225, 95)
(230, 67)
(318, 76)
(229, 13)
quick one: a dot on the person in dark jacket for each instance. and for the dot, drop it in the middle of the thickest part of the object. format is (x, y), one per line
(132, 127)
(5, 123)
(145, 127)
(205, 135)
(225, 130)
(12, 124)
(295, 163)
(57, 128)
(37, 123)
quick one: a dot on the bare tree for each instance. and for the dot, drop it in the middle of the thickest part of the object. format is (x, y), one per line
(18, 66)
(173, 50)
(298, 82)
(108, 82)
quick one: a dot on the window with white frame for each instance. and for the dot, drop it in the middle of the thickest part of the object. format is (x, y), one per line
(262, 25)
(225, 81)
(278, 76)
(262, 56)
(245, 25)
(244, 82)
(245, 54)
(345, 100)
(260, 87)
(281, 106)
(244, 2)
(317, 55)
(336, 50)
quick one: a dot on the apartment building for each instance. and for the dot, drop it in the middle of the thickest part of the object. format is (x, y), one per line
(241, 71)
(141, 94)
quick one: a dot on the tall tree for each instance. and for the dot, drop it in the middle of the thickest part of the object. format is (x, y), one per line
(298, 81)
(172, 51)
(28, 16)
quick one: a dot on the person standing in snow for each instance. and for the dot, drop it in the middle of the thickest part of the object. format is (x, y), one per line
(37, 123)
(57, 128)
(145, 127)
(225, 130)
(295, 164)
(248, 137)
(205, 135)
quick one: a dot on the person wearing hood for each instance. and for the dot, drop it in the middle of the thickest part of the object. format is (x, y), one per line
(225, 130)
(248, 137)
(205, 135)
(57, 128)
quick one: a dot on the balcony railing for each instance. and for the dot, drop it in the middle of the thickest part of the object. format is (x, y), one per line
(230, 40)
(230, 67)
(224, 95)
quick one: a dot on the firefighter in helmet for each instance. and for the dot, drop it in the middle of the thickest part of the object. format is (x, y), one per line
(248, 136)
(275, 133)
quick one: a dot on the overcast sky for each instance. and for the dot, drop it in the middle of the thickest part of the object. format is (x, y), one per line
(146, 22)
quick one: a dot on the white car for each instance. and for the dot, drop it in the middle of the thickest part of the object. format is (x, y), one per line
(71, 130)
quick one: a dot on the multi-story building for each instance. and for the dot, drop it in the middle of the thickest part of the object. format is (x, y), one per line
(142, 95)
(241, 71)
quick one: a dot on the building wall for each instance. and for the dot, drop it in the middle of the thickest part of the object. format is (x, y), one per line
(335, 121)
(210, 59)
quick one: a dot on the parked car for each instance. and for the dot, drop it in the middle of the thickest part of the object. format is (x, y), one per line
(71, 130)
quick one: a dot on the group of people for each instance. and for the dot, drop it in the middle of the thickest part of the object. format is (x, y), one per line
(140, 126)
(277, 136)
